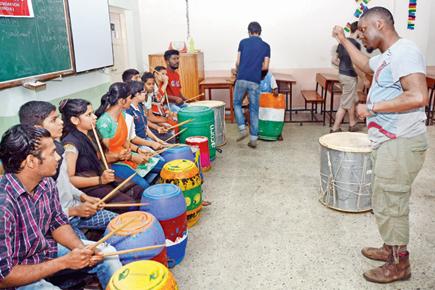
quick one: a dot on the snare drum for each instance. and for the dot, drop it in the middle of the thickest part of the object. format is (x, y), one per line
(346, 171)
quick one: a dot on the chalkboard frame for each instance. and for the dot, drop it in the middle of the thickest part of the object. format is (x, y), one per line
(50, 75)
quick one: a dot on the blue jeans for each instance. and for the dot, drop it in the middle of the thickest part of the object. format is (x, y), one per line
(98, 221)
(39, 285)
(105, 269)
(253, 90)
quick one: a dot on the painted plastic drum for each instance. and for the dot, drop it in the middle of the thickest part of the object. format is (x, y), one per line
(185, 175)
(166, 202)
(218, 108)
(142, 275)
(143, 230)
(202, 143)
(271, 116)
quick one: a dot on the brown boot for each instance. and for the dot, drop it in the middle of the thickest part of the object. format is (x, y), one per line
(396, 268)
(378, 254)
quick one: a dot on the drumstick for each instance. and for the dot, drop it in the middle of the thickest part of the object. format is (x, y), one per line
(194, 98)
(180, 124)
(124, 204)
(105, 238)
(132, 250)
(170, 138)
(116, 189)
(103, 157)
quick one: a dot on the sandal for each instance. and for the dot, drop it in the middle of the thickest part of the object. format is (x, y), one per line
(335, 131)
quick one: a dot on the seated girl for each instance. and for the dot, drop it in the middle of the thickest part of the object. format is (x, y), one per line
(84, 165)
(116, 136)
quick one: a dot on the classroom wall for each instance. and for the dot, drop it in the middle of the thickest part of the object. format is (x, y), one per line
(299, 32)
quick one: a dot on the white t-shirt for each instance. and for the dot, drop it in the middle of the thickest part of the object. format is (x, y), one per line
(401, 59)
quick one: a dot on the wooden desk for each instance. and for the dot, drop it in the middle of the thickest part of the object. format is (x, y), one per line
(285, 84)
(219, 83)
(331, 80)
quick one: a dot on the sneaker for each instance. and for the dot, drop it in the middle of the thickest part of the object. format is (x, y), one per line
(252, 144)
(242, 135)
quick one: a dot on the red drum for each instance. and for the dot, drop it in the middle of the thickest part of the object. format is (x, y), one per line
(202, 143)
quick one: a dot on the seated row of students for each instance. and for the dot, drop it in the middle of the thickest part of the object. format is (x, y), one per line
(42, 218)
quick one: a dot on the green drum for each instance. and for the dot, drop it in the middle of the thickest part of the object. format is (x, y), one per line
(202, 125)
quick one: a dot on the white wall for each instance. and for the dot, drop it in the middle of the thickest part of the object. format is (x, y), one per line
(299, 32)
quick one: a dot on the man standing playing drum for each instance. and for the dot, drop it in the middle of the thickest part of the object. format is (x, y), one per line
(252, 58)
(396, 127)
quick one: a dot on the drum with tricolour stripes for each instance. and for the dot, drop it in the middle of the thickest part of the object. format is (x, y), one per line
(271, 116)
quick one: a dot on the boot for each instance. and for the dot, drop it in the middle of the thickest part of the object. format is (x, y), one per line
(396, 268)
(379, 254)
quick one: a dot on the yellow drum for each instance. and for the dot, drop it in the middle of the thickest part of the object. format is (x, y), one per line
(142, 275)
(185, 175)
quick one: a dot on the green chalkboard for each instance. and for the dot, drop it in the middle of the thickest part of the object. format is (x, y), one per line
(38, 46)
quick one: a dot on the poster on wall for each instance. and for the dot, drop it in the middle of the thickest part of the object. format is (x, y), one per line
(16, 8)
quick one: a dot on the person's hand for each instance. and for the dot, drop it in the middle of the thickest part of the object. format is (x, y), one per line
(275, 93)
(156, 146)
(84, 197)
(86, 209)
(108, 176)
(140, 158)
(96, 258)
(165, 79)
(367, 83)
(163, 142)
(124, 154)
(179, 100)
(162, 130)
(78, 258)
(362, 111)
(338, 33)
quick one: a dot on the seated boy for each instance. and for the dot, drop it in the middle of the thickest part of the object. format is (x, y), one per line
(82, 209)
(32, 220)
(130, 75)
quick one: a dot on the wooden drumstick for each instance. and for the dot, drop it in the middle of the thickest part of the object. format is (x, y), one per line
(124, 204)
(133, 250)
(181, 124)
(103, 157)
(105, 238)
(116, 189)
(170, 138)
(194, 98)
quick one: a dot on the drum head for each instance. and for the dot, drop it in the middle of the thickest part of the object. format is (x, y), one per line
(347, 142)
(210, 104)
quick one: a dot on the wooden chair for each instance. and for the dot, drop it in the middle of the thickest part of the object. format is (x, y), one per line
(314, 98)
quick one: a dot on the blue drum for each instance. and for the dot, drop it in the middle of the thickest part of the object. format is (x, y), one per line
(166, 202)
(143, 230)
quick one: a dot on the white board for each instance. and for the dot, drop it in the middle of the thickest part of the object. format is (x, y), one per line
(92, 38)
